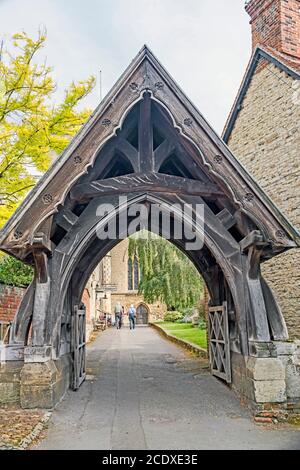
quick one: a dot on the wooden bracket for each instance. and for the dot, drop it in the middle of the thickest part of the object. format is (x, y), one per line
(41, 265)
(41, 242)
(40, 250)
(254, 238)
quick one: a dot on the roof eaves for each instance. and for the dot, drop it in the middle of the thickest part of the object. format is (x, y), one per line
(293, 232)
(258, 54)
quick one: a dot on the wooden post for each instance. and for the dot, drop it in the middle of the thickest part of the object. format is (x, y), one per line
(145, 135)
(206, 307)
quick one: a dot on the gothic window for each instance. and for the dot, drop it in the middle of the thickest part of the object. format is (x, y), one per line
(136, 273)
(130, 277)
(133, 274)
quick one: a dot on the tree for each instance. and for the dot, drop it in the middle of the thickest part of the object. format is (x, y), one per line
(14, 272)
(166, 273)
(33, 130)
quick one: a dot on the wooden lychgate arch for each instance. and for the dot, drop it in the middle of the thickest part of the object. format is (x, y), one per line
(148, 142)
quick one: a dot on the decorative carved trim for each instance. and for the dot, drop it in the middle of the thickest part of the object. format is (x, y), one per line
(218, 159)
(146, 83)
(134, 87)
(18, 234)
(249, 197)
(106, 122)
(47, 198)
(77, 159)
(280, 234)
(159, 85)
(188, 122)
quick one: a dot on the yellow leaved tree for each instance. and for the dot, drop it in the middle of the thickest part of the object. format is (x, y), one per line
(33, 129)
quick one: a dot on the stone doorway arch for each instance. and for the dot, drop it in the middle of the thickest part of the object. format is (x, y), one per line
(145, 145)
(142, 314)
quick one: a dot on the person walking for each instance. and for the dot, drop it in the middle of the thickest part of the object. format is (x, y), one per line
(132, 317)
(118, 315)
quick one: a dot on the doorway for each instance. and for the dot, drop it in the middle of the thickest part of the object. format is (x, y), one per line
(142, 315)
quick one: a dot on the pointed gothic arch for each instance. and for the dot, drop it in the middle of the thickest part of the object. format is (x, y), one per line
(147, 142)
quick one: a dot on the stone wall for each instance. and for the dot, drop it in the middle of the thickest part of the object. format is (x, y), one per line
(10, 299)
(119, 266)
(266, 140)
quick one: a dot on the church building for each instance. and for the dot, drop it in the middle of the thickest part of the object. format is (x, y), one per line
(116, 279)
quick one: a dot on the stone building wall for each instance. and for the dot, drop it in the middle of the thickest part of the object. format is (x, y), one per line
(266, 140)
(119, 268)
(156, 310)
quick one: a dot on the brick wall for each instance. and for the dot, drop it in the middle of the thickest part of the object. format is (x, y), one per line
(266, 139)
(10, 299)
(276, 23)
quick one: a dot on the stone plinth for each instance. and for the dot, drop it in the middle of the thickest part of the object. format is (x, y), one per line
(44, 384)
(10, 381)
(269, 380)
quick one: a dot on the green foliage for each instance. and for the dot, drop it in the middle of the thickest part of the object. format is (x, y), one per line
(33, 129)
(188, 311)
(166, 273)
(14, 272)
(173, 316)
(202, 324)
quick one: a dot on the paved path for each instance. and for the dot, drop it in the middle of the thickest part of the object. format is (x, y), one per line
(143, 392)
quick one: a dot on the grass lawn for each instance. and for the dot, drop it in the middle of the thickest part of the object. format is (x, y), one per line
(186, 331)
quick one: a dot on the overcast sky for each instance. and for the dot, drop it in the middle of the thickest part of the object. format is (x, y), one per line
(204, 44)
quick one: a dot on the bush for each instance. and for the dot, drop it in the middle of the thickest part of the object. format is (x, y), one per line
(15, 273)
(173, 316)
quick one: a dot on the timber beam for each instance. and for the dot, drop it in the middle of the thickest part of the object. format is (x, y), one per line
(162, 153)
(227, 219)
(155, 182)
(66, 219)
(146, 135)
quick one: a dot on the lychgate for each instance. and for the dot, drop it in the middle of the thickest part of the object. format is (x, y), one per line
(147, 144)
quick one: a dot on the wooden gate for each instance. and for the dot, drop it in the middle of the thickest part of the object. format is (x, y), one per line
(219, 344)
(78, 346)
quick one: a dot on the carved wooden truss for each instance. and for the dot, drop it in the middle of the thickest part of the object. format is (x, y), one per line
(146, 140)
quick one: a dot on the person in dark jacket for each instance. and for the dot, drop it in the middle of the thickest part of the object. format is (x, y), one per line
(118, 315)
